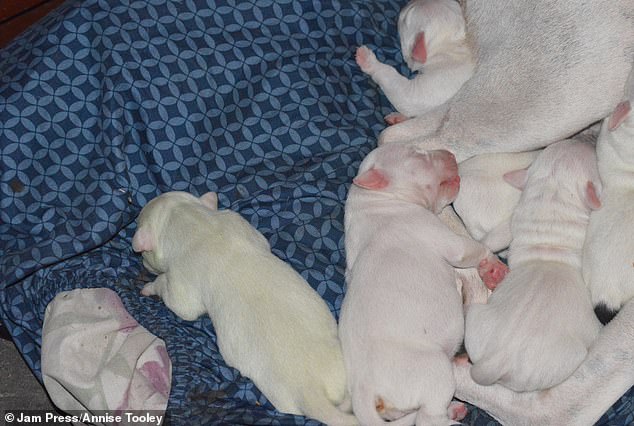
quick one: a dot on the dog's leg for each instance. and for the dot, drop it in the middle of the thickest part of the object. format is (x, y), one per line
(396, 87)
(468, 282)
(156, 287)
(604, 376)
(416, 96)
(465, 252)
(179, 298)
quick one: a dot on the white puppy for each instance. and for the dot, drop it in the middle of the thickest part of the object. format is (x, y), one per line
(486, 201)
(434, 45)
(538, 324)
(603, 377)
(530, 88)
(608, 267)
(401, 319)
(269, 322)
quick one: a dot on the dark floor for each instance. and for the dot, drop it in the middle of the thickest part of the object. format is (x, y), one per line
(19, 389)
(18, 15)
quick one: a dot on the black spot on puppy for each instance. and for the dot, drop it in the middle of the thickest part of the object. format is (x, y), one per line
(604, 313)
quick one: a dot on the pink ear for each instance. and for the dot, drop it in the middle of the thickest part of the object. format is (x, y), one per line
(419, 51)
(373, 179)
(516, 178)
(592, 199)
(142, 240)
(210, 200)
(619, 115)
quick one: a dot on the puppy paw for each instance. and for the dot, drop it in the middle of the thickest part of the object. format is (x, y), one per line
(457, 411)
(492, 271)
(395, 118)
(149, 289)
(365, 59)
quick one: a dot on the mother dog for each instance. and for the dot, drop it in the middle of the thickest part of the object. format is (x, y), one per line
(545, 70)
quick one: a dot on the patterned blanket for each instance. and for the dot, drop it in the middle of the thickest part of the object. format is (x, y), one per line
(107, 103)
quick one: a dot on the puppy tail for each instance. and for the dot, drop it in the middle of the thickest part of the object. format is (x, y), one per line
(364, 404)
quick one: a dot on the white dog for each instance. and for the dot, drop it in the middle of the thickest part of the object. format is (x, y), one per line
(433, 43)
(269, 322)
(545, 70)
(538, 324)
(401, 319)
(486, 201)
(608, 267)
(603, 377)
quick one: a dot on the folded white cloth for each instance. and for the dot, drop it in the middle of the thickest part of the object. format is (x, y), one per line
(96, 358)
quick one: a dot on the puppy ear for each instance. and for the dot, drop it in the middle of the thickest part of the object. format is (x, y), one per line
(143, 240)
(372, 179)
(591, 198)
(619, 115)
(210, 200)
(517, 178)
(419, 51)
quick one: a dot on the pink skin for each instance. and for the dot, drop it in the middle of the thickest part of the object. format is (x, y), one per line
(452, 186)
(457, 411)
(619, 115)
(461, 360)
(419, 51)
(362, 55)
(395, 118)
(492, 272)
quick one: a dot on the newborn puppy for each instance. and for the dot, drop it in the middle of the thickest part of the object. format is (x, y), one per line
(486, 201)
(269, 322)
(538, 324)
(401, 318)
(434, 45)
(608, 254)
(580, 400)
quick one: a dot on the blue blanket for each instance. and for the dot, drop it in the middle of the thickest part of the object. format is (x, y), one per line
(108, 103)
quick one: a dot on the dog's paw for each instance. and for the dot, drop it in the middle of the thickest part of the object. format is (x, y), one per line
(365, 59)
(395, 118)
(457, 411)
(149, 289)
(492, 271)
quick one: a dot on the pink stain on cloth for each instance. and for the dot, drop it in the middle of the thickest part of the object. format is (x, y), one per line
(96, 358)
